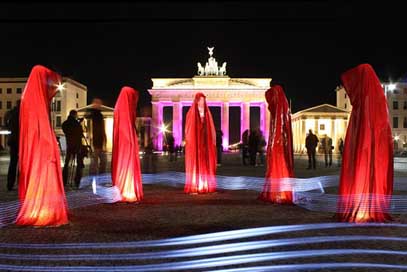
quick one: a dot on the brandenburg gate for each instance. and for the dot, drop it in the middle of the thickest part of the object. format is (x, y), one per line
(220, 90)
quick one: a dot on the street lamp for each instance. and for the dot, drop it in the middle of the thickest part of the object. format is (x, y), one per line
(392, 87)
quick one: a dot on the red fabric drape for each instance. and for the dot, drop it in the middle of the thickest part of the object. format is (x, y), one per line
(40, 187)
(126, 173)
(200, 150)
(366, 181)
(280, 160)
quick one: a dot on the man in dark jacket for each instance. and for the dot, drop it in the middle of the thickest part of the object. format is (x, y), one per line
(12, 123)
(219, 147)
(98, 159)
(73, 134)
(311, 143)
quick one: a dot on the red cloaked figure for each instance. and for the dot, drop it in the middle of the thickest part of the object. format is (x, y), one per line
(280, 158)
(126, 173)
(40, 188)
(200, 148)
(366, 182)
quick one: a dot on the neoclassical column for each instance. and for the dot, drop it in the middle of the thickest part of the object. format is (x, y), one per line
(316, 125)
(333, 136)
(266, 126)
(225, 125)
(303, 134)
(245, 117)
(177, 122)
(157, 120)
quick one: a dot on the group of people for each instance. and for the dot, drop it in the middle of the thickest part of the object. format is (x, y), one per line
(311, 144)
(253, 147)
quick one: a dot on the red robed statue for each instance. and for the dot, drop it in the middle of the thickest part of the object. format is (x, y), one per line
(200, 148)
(280, 158)
(40, 187)
(126, 173)
(366, 182)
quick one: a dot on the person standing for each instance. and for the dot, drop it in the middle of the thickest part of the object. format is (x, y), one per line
(311, 143)
(98, 158)
(219, 147)
(245, 146)
(12, 119)
(326, 143)
(261, 147)
(340, 147)
(73, 134)
(253, 146)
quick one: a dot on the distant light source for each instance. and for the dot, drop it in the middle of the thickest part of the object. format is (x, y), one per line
(60, 86)
(396, 138)
(5, 132)
(163, 128)
(392, 87)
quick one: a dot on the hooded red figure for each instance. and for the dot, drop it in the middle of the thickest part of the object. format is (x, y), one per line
(126, 173)
(40, 188)
(280, 158)
(200, 148)
(366, 182)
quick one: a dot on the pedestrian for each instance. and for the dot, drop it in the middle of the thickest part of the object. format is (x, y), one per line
(74, 152)
(12, 119)
(98, 158)
(245, 146)
(219, 147)
(311, 143)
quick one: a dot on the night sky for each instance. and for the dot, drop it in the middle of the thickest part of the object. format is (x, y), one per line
(304, 45)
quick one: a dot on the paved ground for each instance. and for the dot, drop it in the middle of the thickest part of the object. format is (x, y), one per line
(168, 212)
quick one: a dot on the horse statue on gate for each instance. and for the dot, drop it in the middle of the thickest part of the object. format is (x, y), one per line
(222, 69)
(201, 70)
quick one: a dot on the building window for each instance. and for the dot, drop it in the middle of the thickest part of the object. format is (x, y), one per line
(58, 121)
(19, 90)
(1, 105)
(395, 105)
(405, 105)
(395, 91)
(1, 90)
(405, 122)
(322, 127)
(345, 95)
(77, 105)
(58, 105)
(1, 121)
(345, 105)
(77, 95)
(9, 90)
(395, 122)
(9, 105)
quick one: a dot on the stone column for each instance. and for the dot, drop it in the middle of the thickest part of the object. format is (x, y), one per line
(303, 135)
(225, 125)
(266, 115)
(333, 135)
(157, 120)
(177, 122)
(245, 117)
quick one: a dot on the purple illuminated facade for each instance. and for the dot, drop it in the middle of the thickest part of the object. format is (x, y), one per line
(220, 91)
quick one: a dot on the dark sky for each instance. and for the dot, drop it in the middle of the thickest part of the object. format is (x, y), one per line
(305, 45)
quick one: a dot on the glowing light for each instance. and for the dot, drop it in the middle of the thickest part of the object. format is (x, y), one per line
(397, 137)
(60, 86)
(392, 87)
(163, 128)
(94, 185)
(5, 132)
